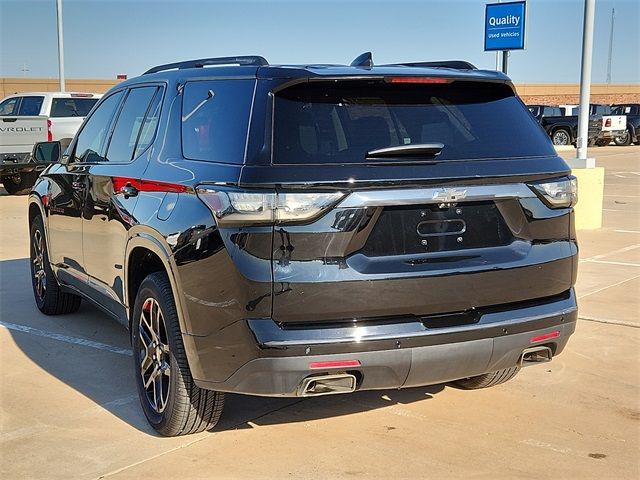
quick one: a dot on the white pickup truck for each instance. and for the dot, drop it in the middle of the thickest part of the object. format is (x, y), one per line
(612, 126)
(28, 118)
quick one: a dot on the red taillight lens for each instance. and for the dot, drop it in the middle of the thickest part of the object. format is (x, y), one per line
(607, 122)
(546, 336)
(334, 364)
(147, 185)
(418, 80)
(49, 134)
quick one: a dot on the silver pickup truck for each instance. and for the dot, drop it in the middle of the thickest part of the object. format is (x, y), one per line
(18, 135)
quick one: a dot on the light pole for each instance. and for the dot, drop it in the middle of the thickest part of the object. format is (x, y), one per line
(60, 45)
(585, 80)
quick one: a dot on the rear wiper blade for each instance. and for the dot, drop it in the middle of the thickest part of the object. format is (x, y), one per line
(415, 150)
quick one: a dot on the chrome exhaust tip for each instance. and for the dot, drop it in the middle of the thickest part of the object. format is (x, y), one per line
(533, 355)
(327, 385)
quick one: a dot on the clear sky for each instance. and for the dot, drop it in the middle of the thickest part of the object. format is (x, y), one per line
(106, 37)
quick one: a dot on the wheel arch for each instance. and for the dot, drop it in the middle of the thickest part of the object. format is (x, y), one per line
(147, 247)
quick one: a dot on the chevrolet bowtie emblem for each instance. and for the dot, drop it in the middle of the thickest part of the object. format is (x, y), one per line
(449, 195)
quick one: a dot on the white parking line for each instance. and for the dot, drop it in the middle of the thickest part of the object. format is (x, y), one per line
(628, 231)
(625, 264)
(613, 252)
(64, 338)
(608, 286)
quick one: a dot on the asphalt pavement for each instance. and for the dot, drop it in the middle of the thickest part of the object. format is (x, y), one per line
(68, 407)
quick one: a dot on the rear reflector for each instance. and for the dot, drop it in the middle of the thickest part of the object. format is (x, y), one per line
(417, 80)
(546, 336)
(334, 364)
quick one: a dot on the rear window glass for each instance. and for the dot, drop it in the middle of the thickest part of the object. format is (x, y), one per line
(72, 107)
(30, 106)
(215, 118)
(340, 122)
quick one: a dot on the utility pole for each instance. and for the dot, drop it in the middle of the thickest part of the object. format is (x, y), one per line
(24, 69)
(585, 79)
(60, 45)
(613, 13)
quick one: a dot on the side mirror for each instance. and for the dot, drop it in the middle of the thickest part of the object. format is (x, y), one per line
(47, 152)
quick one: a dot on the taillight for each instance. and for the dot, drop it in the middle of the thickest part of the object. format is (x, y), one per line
(49, 134)
(560, 193)
(607, 122)
(234, 208)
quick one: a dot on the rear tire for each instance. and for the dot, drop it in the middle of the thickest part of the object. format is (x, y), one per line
(623, 140)
(171, 401)
(50, 299)
(561, 136)
(20, 183)
(603, 142)
(488, 379)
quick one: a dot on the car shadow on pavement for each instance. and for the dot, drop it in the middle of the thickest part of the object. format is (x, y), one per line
(54, 344)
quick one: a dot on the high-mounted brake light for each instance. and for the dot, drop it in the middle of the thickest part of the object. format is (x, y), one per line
(82, 95)
(418, 80)
(233, 208)
(49, 133)
(334, 364)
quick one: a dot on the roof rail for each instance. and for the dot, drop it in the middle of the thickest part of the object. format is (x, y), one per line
(242, 60)
(455, 64)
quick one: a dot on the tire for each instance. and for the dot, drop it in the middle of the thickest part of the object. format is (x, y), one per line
(488, 379)
(173, 404)
(561, 136)
(603, 142)
(19, 184)
(50, 299)
(623, 140)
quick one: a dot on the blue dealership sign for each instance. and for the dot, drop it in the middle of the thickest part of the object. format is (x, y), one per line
(504, 26)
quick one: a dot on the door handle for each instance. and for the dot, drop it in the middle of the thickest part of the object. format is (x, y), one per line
(128, 190)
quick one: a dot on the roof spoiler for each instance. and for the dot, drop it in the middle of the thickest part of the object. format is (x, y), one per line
(242, 60)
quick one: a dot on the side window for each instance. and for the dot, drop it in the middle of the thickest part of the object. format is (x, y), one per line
(30, 106)
(148, 130)
(72, 107)
(215, 118)
(9, 106)
(129, 123)
(91, 142)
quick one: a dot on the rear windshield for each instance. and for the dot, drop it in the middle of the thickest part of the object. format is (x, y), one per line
(72, 107)
(339, 122)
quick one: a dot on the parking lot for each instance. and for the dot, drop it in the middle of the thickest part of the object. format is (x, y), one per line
(69, 409)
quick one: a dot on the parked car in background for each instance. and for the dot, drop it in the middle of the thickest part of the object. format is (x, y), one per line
(563, 129)
(613, 126)
(632, 133)
(567, 110)
(28, 118)
(310, 230)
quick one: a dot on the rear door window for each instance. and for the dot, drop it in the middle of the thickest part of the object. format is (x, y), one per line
(30, 106)
(129, 124)
(339, 122)
(215, 119)
(72, 107)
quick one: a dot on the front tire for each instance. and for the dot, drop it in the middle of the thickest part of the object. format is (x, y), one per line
(50, 299)
(171, 401)
(487, 380)
(561, 137)
(20, 183)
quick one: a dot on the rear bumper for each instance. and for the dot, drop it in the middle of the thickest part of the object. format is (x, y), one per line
(19, 162)
(391, 355)
(611, 134)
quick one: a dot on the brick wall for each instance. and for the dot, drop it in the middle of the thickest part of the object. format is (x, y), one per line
(532, 93)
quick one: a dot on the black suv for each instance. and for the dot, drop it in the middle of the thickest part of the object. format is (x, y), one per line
(307, 230)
